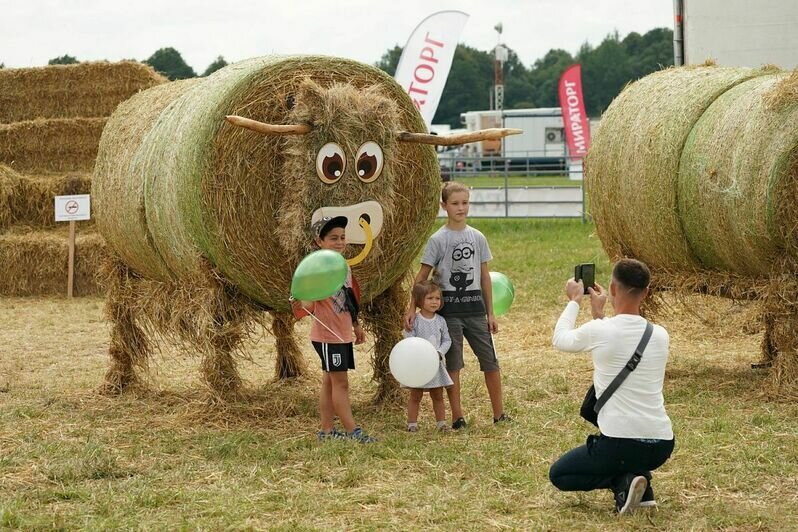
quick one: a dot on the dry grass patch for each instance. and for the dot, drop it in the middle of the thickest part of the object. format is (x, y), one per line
(163, 456)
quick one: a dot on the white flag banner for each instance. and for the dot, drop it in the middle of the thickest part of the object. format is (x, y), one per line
(427, 58)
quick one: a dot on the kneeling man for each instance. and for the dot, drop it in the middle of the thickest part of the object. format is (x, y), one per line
(636, 435)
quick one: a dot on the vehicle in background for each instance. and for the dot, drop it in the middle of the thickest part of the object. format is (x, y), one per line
(736, 32)
(540, 149)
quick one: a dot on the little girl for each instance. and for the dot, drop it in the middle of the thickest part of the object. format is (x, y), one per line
(432, 327)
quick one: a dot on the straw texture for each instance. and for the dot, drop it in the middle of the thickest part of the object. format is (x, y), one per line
(734, 177)
(632, 167)
(71, 91)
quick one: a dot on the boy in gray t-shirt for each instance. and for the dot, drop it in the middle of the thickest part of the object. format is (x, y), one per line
(457, 257)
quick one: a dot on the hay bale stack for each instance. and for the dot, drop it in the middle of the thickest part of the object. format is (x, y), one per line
(35, 262)
(737, 180)
(51, 120)
(634, 161)
(71, 91)
(51, 145)
(31, 203)
(8, 183)
(215, 191)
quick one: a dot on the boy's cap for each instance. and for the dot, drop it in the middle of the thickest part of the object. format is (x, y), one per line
(324, 225)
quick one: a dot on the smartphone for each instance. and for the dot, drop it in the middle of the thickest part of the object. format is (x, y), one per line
(586, 273)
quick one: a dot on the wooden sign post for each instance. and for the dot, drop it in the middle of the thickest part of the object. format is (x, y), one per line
(70, 209)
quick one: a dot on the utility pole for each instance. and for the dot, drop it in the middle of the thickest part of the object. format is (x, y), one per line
(678, 32)
(500, 57)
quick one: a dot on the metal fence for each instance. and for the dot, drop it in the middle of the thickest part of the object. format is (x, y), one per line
(519, 186)
(513, 163)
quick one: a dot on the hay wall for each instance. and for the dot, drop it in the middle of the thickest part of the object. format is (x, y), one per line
(35, 263)
(71, 91)
(8, 183)
(118, 194)
(51, 120)
(31, 203)
(632, 167)
(244, 201)
(51, 145)
(736, 174)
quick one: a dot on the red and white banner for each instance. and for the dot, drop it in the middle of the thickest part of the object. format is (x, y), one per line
(427, 58)
(574, 118)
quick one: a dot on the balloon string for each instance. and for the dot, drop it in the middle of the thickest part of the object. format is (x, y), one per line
(493, 344)
(323, 325)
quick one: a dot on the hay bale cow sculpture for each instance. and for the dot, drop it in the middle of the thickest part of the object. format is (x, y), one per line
(206, 189)
(694, 170)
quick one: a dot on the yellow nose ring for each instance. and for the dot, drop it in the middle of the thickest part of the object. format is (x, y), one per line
(360, 257)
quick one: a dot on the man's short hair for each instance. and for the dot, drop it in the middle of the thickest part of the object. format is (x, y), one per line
(632, 274)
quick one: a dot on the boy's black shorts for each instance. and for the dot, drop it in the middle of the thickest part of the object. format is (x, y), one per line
(335, 357)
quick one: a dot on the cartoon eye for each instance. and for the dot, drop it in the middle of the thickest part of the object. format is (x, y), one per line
(467, 252)
(330, 163)
(457, 255)
(369, 162)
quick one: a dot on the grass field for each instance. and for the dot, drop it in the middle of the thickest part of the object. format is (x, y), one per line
(162, 457)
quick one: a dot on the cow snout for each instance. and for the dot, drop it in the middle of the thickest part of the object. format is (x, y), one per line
(368, 213)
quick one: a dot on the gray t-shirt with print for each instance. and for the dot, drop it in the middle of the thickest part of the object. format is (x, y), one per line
(457, 258)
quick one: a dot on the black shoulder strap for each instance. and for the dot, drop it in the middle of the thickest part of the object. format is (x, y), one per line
(629, 368)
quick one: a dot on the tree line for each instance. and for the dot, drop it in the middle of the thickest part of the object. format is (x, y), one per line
(606, 69)
(167, 61)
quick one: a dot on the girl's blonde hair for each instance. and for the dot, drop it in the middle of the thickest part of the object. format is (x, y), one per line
(450, 188)
(424, 288)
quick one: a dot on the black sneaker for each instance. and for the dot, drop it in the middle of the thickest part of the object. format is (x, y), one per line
(628, 500)
(648, 500)
(459, 423)
(504, 418)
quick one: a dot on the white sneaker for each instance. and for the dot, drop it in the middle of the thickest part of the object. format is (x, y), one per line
(634, 495)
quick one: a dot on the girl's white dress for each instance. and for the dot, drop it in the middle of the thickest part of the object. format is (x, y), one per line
(436, 332)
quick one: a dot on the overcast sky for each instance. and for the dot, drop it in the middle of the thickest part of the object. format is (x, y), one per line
(34, 31)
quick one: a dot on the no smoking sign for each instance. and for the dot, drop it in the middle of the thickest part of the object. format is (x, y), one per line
(76, 207)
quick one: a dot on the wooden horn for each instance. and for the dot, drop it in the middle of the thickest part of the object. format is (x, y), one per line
(268, 129)
(457, 138)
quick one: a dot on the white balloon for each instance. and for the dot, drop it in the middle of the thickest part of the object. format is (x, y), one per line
(414, 362)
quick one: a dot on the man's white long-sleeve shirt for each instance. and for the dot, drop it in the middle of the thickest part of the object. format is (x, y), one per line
(637, 409)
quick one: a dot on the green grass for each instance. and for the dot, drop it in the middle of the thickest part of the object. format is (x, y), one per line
(162, 457)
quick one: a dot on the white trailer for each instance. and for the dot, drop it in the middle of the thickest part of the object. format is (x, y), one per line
(543, 134)
(736, 32)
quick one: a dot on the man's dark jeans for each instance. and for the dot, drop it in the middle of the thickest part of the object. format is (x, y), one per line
(603, 461)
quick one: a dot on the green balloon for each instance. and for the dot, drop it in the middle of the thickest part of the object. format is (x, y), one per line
(503, 293)
(497, 277)
(319, 275)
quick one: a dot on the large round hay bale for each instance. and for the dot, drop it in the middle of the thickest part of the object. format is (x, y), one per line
(632, 166)
(51, 145)
(71, 91)
(118, 194)
(737, 179)
(244, 201)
